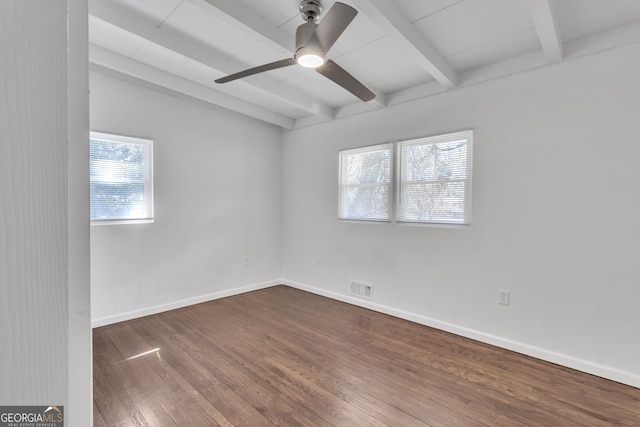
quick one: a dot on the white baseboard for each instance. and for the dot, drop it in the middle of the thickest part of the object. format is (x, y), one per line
(603, 371)
(103, 321)
(519, 347)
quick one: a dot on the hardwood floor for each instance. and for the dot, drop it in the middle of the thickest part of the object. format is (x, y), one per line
(281, 356)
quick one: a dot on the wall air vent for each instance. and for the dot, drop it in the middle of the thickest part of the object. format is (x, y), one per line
(361, 289)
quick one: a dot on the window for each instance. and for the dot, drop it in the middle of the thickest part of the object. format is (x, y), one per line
(435, 176)
(431, 185)
(121, 174)
(365, 183)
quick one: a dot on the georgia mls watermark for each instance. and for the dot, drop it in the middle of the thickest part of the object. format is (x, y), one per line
(31, 416)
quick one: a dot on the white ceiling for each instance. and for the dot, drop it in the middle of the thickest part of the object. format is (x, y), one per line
(400, 50)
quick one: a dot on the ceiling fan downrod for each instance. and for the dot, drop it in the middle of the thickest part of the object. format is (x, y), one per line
(310, 10)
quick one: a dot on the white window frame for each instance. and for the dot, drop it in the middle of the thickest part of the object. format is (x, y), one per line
(148, 177)
(397, 178)
(343, 186)
(402, 181)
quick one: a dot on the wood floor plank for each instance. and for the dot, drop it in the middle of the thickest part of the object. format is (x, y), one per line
(361, 364)
(303, 362)
(358, 354)
(242, 372)
(281, 356)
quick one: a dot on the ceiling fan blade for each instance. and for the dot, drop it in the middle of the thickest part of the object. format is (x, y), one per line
(334, 72)
(256, 70)
(332, 25)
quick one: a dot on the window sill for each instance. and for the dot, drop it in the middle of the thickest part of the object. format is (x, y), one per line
(121, 221)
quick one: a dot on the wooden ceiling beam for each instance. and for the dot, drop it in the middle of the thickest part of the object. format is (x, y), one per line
(204, 54)
(545, 22)
(103, 58)
(391, 20)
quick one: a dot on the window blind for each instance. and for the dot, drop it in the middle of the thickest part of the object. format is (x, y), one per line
(121, 178)
(365, 183)
(434, 184)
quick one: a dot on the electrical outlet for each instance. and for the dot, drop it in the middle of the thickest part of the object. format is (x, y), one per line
(319, 262)
(503, 297)
(246, 261)
(367, 291)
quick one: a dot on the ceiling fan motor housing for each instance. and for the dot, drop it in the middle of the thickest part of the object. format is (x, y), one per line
(310, 10)
(304, 33)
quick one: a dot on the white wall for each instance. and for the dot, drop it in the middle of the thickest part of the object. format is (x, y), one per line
(555, 216)
(79, 411)
(218, 199)
(45, 356)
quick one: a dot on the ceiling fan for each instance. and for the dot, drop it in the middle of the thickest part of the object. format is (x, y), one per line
(313, 41)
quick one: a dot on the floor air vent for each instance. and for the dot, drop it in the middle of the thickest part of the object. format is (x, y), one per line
(361, 289)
